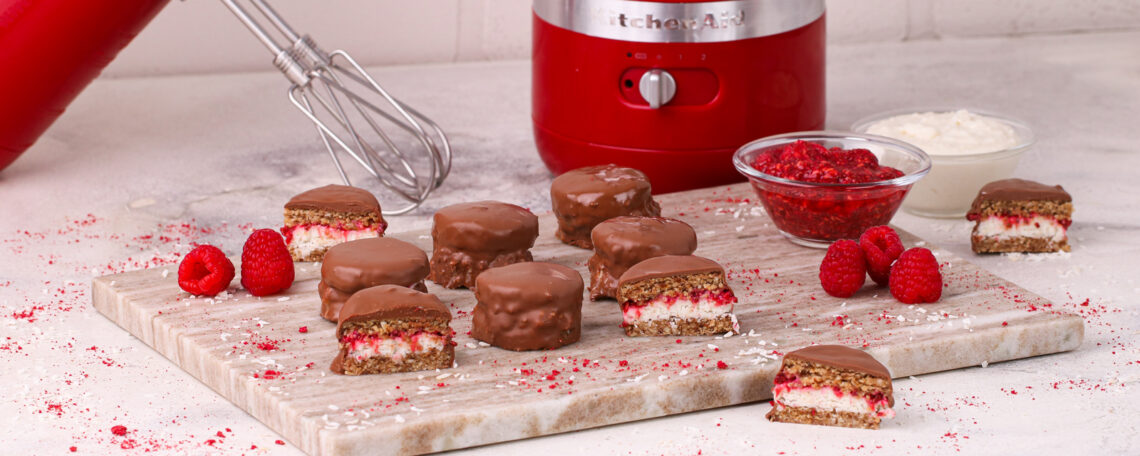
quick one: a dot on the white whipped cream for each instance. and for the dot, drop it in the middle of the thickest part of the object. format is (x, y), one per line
(395, 348)
(681, 308)
(307, 239)
(994, 226)
(948, 133)
(827, 399)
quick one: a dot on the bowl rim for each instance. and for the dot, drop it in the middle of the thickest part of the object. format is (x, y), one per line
(746, 169)
(1026, 136)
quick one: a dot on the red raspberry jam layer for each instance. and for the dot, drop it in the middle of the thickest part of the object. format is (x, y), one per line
(876, 402)
(1011, 220)
(826, 213)
(698, 304)
(395, 345)
(338, 230)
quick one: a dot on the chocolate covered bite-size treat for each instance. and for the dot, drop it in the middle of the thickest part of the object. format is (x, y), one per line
(622, 242)
(390, 328)
(469, 238)
(676, 295)
(1017, 215)
(356, 265)
(528, 306)
(832, 385)
(326, 216)
(584, 197)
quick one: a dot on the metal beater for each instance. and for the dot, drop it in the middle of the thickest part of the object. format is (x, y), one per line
(325, 84)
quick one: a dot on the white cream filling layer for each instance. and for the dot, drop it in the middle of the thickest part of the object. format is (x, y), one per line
(994, 226)
(827, 399)
(311, 238)
(681, 308)
(395, 348)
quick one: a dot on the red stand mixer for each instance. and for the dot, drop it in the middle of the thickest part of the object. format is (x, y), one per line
(673, 87)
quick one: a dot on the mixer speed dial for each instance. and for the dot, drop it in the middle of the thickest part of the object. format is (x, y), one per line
(657, 87)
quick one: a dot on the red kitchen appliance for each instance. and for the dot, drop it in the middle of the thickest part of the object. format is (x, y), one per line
(50, 50)
(673, 87)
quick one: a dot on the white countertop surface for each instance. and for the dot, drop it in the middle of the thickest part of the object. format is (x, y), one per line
(139, 168)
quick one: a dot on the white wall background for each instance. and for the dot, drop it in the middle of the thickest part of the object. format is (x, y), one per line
(200, 36)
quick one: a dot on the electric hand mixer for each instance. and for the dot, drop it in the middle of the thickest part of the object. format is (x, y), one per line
(346, 104)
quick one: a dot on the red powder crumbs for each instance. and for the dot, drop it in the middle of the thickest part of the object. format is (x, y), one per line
(303, 329)
(268, 345)
(269, 374)
(119, 429)
(73, 449)
(280, 442)
(678, 341)
(623, 363)
(1005, 323)
(721, 365)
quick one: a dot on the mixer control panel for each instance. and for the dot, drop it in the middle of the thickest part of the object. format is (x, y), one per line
(668, 87)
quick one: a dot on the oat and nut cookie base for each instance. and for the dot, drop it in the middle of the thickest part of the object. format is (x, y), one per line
(981, 244)
(682, 327)
(804, 415)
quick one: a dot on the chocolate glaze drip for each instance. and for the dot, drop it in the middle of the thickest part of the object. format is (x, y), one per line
(1019, 190)
(528, 306)
(584, 197)
(669, 266)
(622, 242)
(485, 226)
(391, 302)
(336, 198)
(841, 357)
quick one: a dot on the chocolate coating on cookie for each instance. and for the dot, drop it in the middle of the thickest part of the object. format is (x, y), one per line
(369, 262)
(585, 197)
(669, 266)
(621, 242)
(470, 238)
(528, 306)
(336, 198)
(332, 299)
(841, 357)
(485, 226)
(1018, 190)
(391, 302)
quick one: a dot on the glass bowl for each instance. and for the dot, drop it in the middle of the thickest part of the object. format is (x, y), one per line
(816, 214)
(954, 180)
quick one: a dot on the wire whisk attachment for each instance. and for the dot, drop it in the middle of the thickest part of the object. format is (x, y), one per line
(350, 110)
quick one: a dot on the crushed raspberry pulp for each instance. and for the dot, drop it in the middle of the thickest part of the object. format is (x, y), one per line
(826, 213)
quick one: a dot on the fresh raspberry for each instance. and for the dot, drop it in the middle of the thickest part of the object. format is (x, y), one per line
(843, 271)
(881, 247)
(915, 277)
(205, 271)
(266, 266)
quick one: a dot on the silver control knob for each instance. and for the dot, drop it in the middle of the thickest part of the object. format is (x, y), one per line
(657, 87)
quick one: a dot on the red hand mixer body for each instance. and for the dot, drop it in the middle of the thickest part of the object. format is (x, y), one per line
(49, 51)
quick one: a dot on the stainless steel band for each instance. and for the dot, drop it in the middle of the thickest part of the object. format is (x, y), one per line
(703, 22)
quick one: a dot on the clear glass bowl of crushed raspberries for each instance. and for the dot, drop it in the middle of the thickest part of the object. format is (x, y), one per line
(820, 186)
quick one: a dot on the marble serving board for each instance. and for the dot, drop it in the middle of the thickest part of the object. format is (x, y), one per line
(270, 355)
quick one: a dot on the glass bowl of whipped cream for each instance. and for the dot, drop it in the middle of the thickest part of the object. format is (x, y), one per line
(968, 147)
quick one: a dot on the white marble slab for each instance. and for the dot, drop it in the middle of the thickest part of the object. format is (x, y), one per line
(495, 395)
